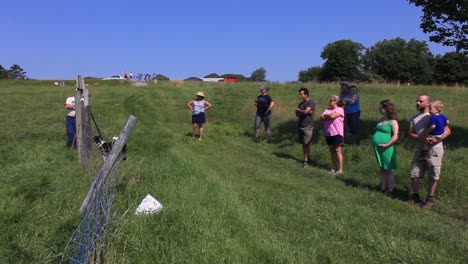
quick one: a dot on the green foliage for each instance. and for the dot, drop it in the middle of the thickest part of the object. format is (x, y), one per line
(258, 75)
(15, 72)
(398, 60)
(227, 199)
(343, 60)
(446, 20)
(312, 74)
(161, 77)
(212, 75)
(451, 68)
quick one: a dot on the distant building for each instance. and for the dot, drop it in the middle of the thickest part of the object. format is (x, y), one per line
(230, 79)
(213, 79)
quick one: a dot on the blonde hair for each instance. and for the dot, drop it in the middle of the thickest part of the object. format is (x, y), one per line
(438, 105)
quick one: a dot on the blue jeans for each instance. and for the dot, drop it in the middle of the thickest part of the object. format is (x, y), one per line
(352, 122)
(71, 130)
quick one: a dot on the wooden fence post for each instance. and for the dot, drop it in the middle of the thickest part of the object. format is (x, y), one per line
(84, 130)
(109, 163)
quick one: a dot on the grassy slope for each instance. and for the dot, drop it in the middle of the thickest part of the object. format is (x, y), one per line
(227, 199)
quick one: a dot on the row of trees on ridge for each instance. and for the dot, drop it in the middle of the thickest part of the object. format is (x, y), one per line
(395, 60)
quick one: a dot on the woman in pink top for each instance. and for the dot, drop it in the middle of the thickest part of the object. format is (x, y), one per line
(333, 126)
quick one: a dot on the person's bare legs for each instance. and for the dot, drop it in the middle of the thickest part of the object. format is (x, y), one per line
(200, 126)
(194, 130)
(339, 158)
(391, 180)
(383, 180)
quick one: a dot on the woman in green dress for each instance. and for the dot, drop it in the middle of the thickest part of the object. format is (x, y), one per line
(384, 139)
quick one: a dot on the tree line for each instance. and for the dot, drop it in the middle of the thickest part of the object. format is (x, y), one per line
(15, 72)
(394, 60)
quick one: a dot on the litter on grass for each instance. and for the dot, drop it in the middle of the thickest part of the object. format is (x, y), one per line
(149, 206)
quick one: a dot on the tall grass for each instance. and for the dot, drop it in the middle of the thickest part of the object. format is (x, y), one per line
(227, 198)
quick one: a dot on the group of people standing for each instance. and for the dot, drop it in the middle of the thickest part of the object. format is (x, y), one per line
(428, 128)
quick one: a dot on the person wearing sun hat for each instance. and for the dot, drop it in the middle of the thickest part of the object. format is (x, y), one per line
(264, 104)
(198, 106)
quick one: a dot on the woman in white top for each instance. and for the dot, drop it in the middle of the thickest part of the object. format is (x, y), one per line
(198, 107)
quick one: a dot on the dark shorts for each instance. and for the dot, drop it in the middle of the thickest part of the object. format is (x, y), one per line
(334, 140)
(198, 119)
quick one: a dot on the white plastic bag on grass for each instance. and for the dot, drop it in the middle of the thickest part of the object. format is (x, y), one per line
(148, 206)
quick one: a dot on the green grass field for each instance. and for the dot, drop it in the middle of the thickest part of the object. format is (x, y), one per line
(227, 198)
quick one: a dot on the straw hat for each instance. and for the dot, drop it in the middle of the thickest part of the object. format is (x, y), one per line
(201, 94)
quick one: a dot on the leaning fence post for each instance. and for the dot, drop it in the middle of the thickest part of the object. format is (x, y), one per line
(110, 162)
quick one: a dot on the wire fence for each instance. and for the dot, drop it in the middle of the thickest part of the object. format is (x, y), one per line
(88, 241)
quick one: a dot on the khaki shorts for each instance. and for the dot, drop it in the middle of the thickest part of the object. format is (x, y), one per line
(305, 134)
(432, 165)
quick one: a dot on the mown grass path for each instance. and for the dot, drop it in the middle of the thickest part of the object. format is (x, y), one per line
(227, 198)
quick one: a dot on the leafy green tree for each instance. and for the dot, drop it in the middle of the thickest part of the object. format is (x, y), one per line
(258, 75)
(16, 72)
(396, 60)
(3, 73)
(212, 75)
(161, 77)
(312, 74)
(343, 60)
(451, 68)
(446, 20)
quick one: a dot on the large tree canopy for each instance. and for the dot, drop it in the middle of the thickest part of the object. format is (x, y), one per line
(451, 68)
(398, 60)
(343, 60)
(312, 74)
(258, 75)
(446, 20)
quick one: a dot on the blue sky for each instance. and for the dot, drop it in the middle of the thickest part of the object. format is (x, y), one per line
(61, 39)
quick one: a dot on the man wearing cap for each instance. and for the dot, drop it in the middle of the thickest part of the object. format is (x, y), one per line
(71, 124)
(305, 112)
(264, 105)
(198, 107)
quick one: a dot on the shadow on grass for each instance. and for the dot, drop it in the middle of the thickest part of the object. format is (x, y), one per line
(286, 133)
(313, 163)
(402, 195)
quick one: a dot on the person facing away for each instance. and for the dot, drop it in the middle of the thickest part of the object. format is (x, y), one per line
(70, 122)
(198, 106)
(437, 128)
(264, 105)
(333, 128)
(419, 125)
(383, 141)
(352, 110)
(305, 113)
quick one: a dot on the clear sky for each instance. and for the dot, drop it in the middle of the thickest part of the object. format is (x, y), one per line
(61, 39)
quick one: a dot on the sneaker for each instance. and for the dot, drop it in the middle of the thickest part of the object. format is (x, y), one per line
(414, 200)
(199, 139)
(332, 171)
(428, 203)
(305, 164)
(390, 194)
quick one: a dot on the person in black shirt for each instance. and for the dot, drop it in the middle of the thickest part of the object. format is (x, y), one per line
(264, 104)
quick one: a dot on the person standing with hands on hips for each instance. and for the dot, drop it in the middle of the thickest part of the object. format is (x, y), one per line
(264, 105)
(198, 107)
(71, 123)
(305, 112)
